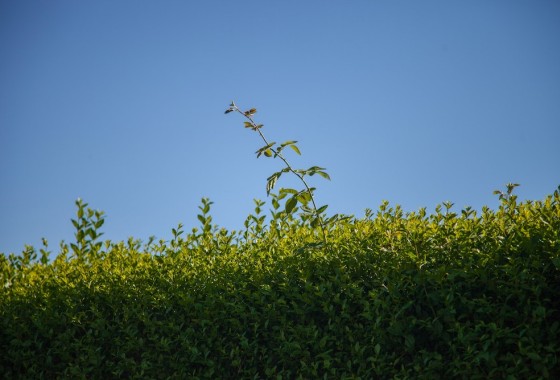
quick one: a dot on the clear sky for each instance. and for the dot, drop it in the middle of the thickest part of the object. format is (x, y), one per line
(122, 103)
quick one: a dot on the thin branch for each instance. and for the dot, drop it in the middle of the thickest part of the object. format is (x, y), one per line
(257, 128)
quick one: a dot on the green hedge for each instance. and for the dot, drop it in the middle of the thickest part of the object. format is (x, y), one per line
(393, 295)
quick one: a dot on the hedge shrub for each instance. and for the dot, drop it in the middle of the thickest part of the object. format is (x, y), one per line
(393, 295)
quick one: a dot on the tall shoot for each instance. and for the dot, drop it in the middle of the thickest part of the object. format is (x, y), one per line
(305, 198)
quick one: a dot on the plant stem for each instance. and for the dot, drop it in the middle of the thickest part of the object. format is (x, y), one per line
(276, 153)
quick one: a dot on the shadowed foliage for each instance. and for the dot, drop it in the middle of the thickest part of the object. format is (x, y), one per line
(397, 295)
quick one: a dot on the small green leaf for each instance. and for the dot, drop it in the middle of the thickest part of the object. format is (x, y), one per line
(291, 204)
(289, 142)
(284, 191)
(306, 209)
(295, 149)
(322, 209)
(315, 168)
(271, 181)
(315, 222)
(304, 197)
(265, 150)
(324, 175)
(277, 175)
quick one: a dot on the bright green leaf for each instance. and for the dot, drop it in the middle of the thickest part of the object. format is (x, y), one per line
(295, 149)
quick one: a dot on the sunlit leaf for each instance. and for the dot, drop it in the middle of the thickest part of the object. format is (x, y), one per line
(271, 181)
(295, 149)
(264, 150)
(288, 191)
(304, 197)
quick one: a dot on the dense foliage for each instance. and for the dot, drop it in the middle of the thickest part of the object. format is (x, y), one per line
(393, 295)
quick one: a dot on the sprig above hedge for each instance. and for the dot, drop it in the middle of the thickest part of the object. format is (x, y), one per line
(305, 197)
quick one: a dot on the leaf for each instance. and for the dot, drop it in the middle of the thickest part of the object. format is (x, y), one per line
(304, 197)
(315, 222)
(291, 204)
(277, 175)
(270, 184)
(324, 175)
(251, 112)
(248, 124)
(291, 144)
(295, 149)
(285, 191)
(264, 150)
(322, 209)
(315, 168)
(271, 181)
(306, 209)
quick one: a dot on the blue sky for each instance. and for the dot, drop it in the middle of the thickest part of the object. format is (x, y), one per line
(122, 103)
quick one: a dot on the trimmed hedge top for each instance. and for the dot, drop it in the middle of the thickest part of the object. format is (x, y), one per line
(391, 295)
